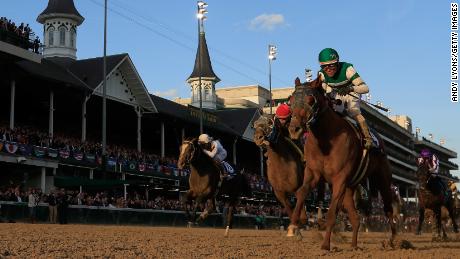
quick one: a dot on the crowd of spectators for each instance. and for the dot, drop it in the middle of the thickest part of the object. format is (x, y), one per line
(19, 35)
(116, 155)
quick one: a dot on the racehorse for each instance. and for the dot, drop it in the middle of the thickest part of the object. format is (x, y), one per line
(334, 151)
(285, 166)
(204, 180)
(433, 199)
(396, 204)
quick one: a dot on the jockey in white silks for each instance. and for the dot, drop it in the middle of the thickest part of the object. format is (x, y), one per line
(215, 150)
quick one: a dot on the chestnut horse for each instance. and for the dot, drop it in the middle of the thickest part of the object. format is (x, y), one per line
(204, 180)
(433, 200)
(285, 166)
(333, 151)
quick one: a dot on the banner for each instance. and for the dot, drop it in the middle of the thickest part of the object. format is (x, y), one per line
(24, 150)
(39, 151)
(78, 156)
(53, 153)
(64, 153)
(90, 157)
(11, 147)
(141, 167)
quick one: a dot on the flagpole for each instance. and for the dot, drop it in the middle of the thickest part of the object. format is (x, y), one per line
(104, 86)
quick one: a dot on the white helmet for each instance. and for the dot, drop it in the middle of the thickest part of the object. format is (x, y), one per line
(204, 139)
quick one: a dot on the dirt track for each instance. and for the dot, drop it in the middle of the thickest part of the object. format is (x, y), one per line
(42, 240)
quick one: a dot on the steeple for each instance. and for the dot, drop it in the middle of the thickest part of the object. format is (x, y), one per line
(208, 77)
(60, 20)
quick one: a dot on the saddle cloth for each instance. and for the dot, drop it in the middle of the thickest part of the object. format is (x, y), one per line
(228, 169)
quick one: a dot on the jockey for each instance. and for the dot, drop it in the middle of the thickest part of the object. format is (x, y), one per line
(214, 149)
(282, 116)
(339, 79)
(433, 167)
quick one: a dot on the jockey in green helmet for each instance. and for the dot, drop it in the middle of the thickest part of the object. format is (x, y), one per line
(340, 79)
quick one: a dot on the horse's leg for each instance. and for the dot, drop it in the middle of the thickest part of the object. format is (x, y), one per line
(421, 218)
(437, 225)
(338, 193)
(206, 211)
(382, 179)
(309, 181)
(188, 201)
(452, 214)
(229, 218)
(198, 202)
(282, 197)
(349, 205)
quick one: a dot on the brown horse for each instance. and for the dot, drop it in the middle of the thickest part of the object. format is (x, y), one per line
(433, 200)
(334, 151)
(285, 166)
(204, 181)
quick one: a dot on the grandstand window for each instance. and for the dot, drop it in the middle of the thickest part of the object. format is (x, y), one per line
(206, 92)
(72, 38)
(62, 36)
(51, 36)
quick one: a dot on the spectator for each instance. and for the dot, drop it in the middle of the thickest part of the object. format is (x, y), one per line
(32, 204)
(62, 206)
(52, 207)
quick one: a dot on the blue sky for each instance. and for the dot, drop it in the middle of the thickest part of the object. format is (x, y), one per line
(401, 48)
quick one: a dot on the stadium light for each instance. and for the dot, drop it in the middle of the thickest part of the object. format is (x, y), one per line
(201, 11)
(272, 51)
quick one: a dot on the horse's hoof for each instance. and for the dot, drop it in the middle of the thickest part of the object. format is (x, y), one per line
(292, 231)
(226, 231)
(418, 233)
(189, 224)
(326, 247)
(455, 230)
(356, 248)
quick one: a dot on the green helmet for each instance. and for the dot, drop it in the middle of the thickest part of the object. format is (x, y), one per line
(328, 56)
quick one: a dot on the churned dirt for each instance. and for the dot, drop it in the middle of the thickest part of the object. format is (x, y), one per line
(83, 241)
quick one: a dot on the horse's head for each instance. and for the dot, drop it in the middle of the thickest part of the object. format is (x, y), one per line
(262, 127)
(423, 170)
(188, 151)
(306, 101)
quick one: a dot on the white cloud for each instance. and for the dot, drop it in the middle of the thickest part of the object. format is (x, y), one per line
(168, 93)
(267, 22)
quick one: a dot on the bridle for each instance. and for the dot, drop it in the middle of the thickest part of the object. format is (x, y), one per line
(300, 92)
(190, 157)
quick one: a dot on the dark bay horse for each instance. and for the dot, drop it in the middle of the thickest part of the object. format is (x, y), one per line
(285, 166)
(333, 150)
(204, 180)
(433, 200)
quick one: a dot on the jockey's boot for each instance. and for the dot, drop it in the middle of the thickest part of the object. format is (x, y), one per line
(365, 130)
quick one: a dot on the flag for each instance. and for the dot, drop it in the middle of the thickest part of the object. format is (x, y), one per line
(78, 156)
(11, 147)
(64, 153)
(39, 151)
(90, 157)
(24, 149)
(142, 167)
(53, 152)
